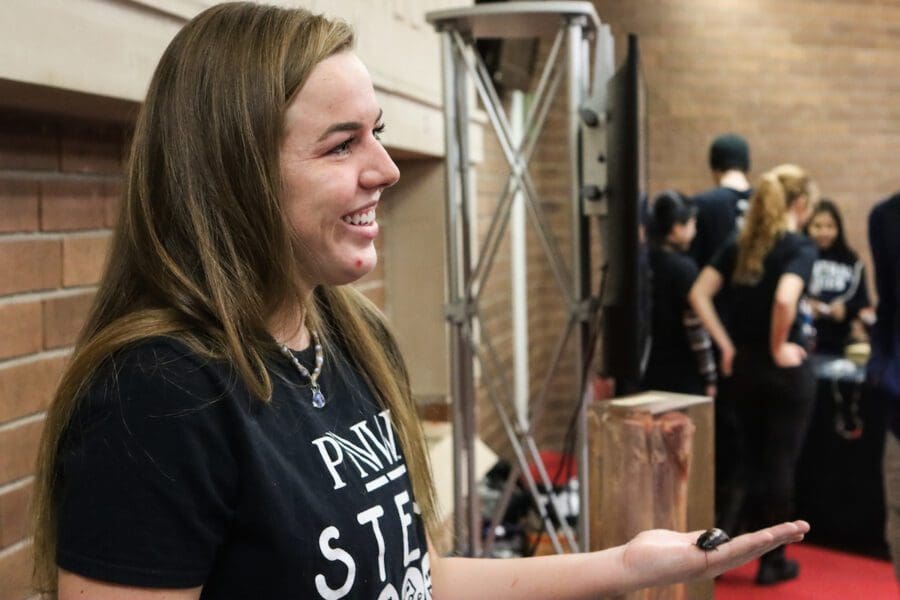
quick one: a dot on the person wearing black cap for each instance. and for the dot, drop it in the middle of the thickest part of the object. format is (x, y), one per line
(720, 209)
(681, 357)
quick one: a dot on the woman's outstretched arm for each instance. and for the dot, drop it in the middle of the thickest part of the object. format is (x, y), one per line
(652, 558)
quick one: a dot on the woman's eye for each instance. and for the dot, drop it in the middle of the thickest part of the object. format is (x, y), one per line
(343, 147)
(378, 131)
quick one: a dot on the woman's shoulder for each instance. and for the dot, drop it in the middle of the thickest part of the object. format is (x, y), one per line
(845, 255)
(160, 354)
(796, 238)
(793, 241)
(167, 368)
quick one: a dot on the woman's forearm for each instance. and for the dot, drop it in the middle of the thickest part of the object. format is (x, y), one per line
(701, 300)
(783, 315)
(784, 310)
(568, 576)
(652, 558)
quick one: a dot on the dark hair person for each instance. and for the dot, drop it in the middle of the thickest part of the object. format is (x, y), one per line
(236, 422)
(768, 266)
(837, 290)
(680, 357)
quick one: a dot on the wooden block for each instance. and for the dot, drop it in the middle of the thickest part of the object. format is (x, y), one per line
(650, 461)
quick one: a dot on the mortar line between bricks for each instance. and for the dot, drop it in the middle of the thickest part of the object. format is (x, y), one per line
(55, 235)
(45, 176)
(15, 547)
(16, 484)
(46, 295)
(15, 424)
(32, 358)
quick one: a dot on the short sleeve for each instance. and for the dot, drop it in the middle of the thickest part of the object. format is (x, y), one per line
(801, 260)
(146, 476)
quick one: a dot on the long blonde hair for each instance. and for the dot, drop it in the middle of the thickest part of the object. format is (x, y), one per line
(766, 219)
(202, 250)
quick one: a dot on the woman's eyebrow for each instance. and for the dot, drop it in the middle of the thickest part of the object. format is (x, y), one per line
(346, 126)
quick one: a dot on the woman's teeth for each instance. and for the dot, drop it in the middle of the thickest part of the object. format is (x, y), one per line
(360, 218)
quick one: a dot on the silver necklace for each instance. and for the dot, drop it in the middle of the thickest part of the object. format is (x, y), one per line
(318, 398)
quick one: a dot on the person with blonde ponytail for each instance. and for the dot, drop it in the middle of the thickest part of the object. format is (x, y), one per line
(237, 422)
(767, 266)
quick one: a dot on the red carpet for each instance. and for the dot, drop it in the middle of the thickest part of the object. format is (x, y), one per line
(824, 574)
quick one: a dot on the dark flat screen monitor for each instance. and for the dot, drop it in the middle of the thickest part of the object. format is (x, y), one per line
(626, 321)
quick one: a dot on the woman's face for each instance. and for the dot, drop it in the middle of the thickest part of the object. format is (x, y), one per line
(683, 234)
(823, 230)
(333, 170)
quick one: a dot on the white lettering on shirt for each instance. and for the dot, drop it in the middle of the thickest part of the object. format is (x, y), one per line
(372, 453)
(331, 461)
(401, 500)
(334, 554)
(372, 515)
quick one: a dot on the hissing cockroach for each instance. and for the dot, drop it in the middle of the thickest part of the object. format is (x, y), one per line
(711, 539)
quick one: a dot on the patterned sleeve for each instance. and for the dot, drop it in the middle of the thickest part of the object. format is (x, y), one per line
(701, 345)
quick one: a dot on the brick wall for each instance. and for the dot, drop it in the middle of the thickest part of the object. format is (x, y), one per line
(807, 81)
(813, 82)
(59, 182)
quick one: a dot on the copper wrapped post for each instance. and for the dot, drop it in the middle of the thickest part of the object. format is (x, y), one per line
(642, 451)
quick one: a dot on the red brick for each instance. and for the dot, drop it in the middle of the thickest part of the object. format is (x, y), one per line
(14, 524)
(15, 573)
(83, 258)
(20, 328)
(29, 265)
(63, 318)
(91, 148)
(18, 205)
(27, 388)
(18, 449)
(71, 204)
(28, 142)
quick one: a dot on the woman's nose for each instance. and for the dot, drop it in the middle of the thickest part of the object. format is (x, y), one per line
(381, 171)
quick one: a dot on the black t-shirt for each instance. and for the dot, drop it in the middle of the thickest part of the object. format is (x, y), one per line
(751, 325)
(172, 475)
(719, 214)
(837, 275)
(672, 363)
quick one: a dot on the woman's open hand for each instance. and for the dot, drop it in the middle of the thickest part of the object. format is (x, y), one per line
(669, 556)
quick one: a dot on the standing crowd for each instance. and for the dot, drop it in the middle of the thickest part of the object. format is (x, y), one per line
(753, 283)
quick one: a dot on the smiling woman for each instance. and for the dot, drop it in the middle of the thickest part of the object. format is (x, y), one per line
(235, 422)
(333, 169)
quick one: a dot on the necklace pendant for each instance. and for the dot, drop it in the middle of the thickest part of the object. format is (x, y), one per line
(318, 398)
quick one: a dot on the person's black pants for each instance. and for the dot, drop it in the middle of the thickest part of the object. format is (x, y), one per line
(774, 406)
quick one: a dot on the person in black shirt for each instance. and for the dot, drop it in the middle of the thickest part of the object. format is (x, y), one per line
(236, 421)
(768, 266)
(837, 290)
(720, 211)
(884, 364)
(681, 352)
(721, 208)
